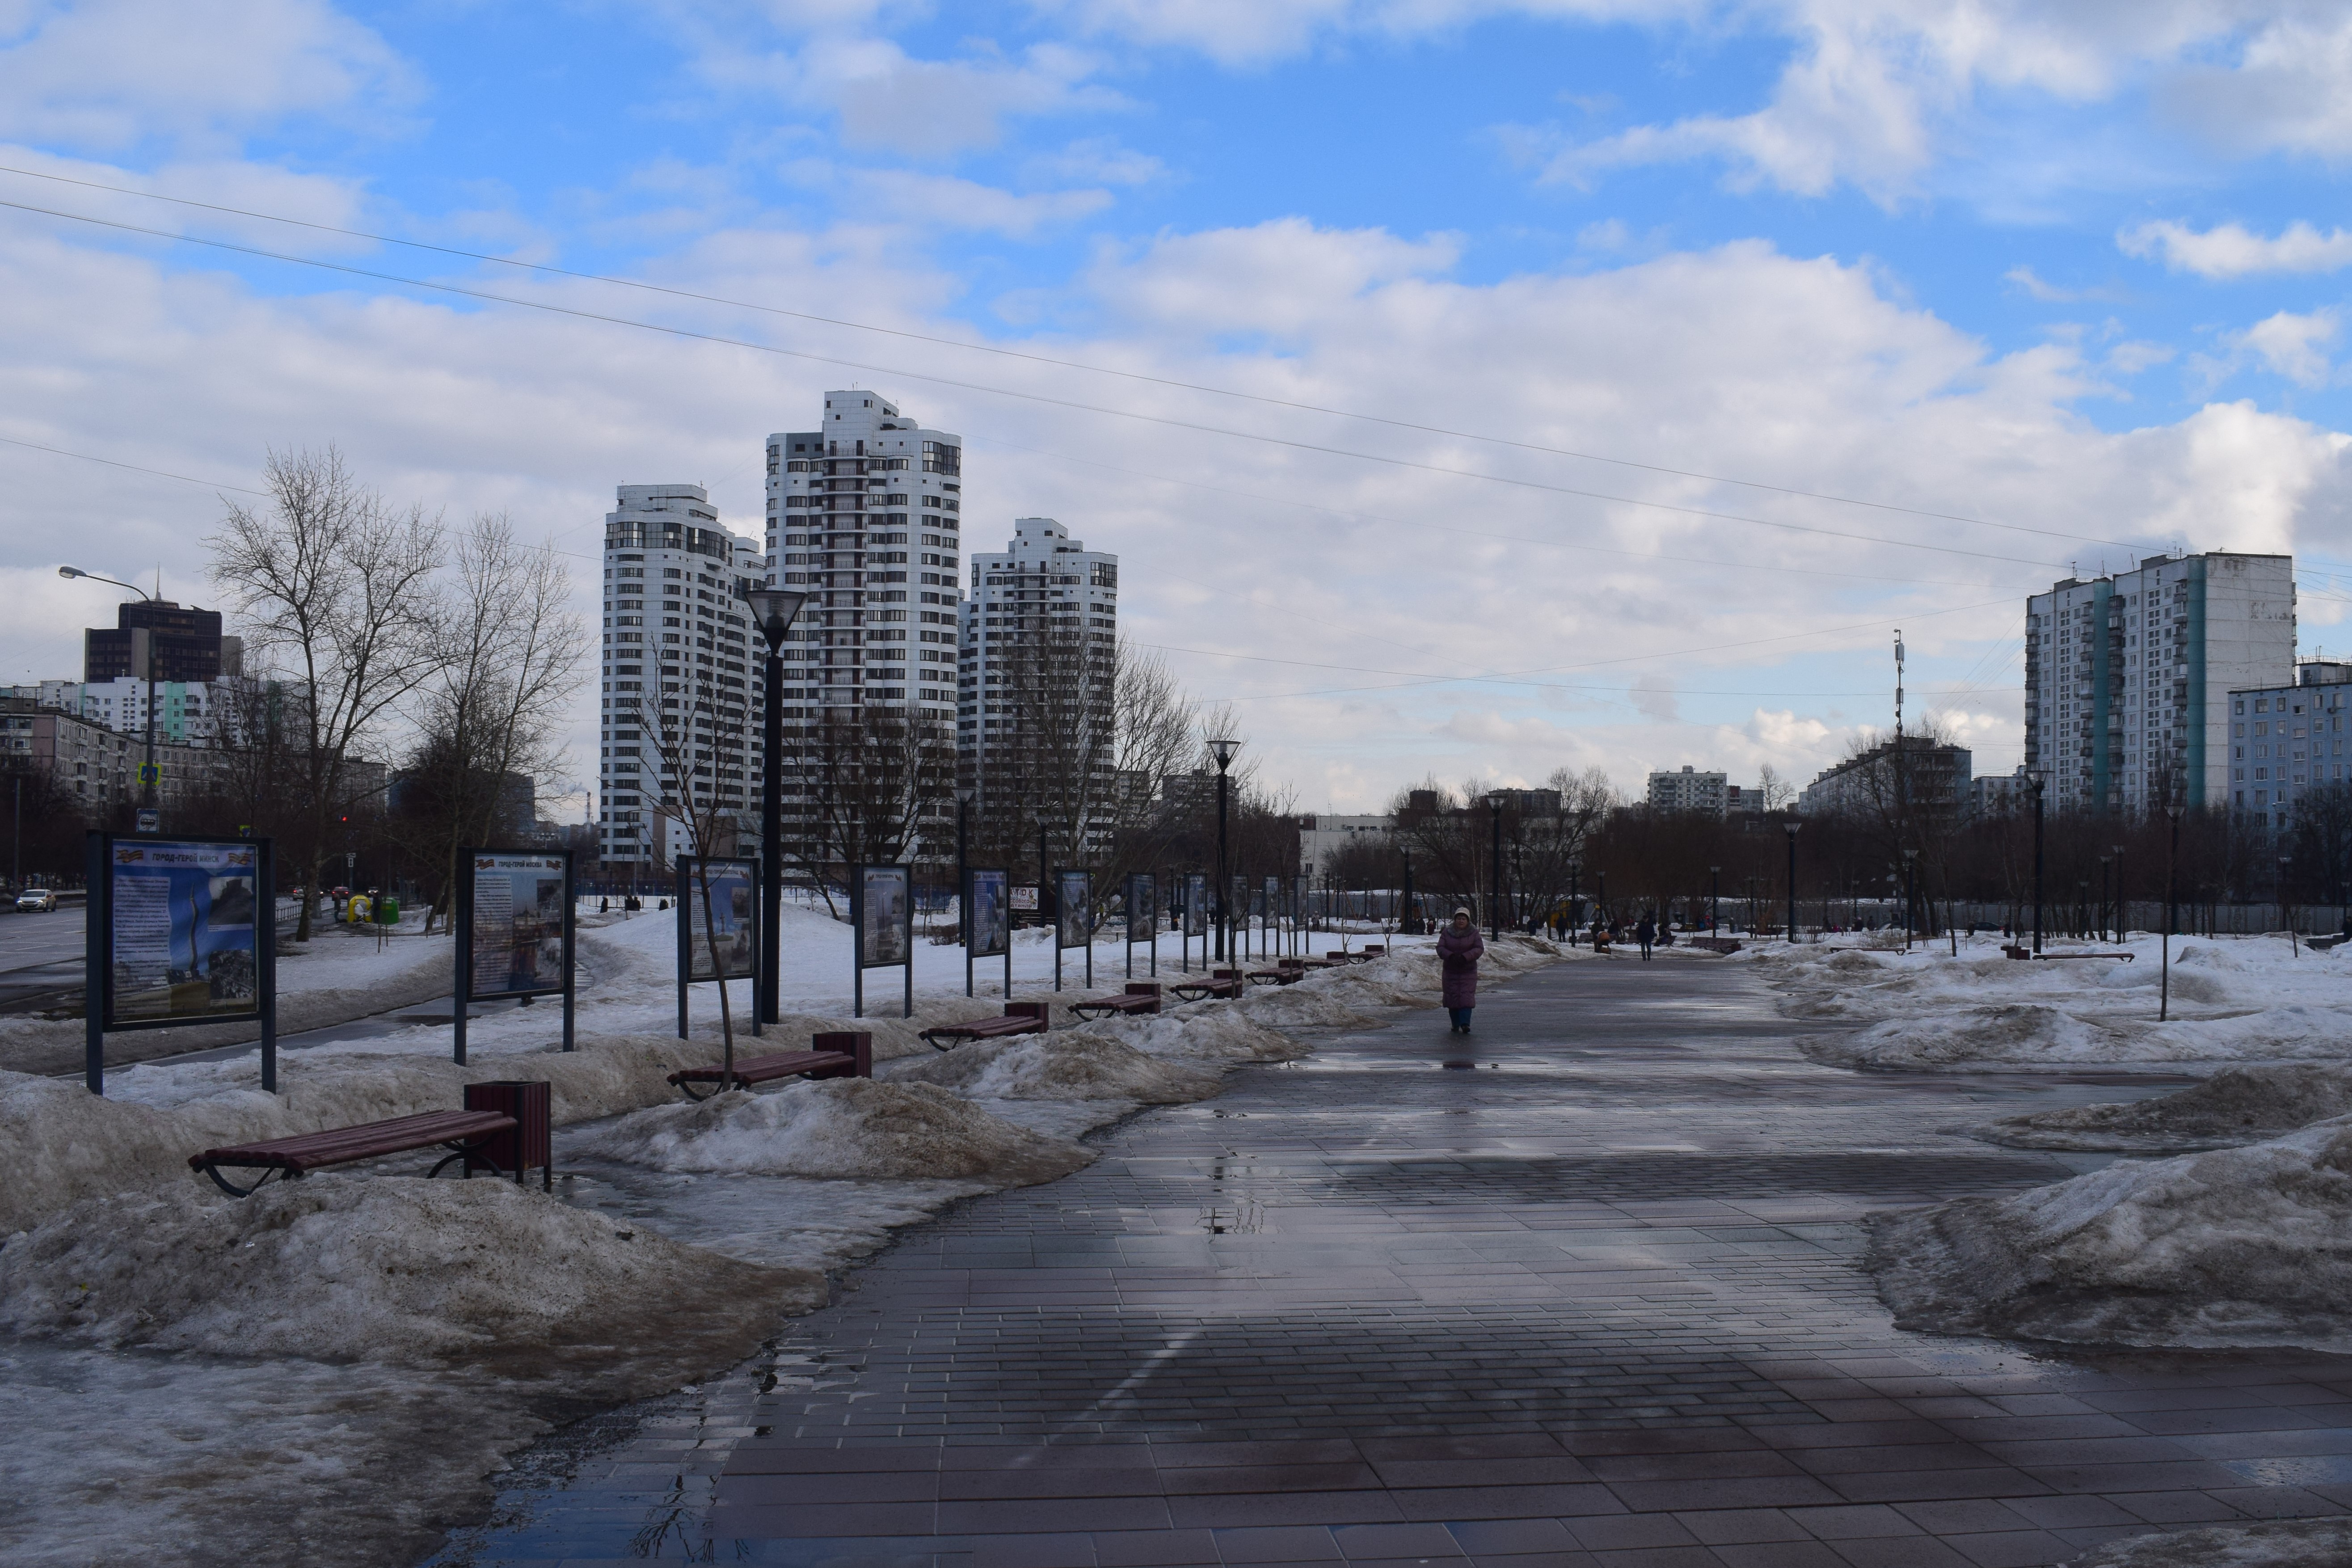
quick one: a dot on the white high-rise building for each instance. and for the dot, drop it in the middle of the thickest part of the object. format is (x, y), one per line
(1043, 583)
(2127, 678)
(681, 659)
(864, 513)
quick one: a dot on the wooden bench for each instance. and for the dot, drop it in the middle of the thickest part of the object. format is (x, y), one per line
(1141, 996)
(2070, 957)
(1375, 951)
(842, 1052)
(1337, 956)
(1225, 984)
(464, 1133)
(1020, 1018)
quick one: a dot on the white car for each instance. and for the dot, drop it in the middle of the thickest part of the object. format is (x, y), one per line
(36, 901)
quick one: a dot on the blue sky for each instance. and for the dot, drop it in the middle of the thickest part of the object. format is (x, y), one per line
(2077, 271)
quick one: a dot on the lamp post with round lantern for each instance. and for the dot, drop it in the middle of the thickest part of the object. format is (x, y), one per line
(773, 610)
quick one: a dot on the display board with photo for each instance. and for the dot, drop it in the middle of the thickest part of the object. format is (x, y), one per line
(734, 887)
(516, 930)
(1142, 906)
(885, 916)
(184, 928)
(1073, 895)
(1196, 904)
(990, 913)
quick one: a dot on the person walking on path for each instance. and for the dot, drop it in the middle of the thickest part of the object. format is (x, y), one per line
(1459, 949)
(1646, 932)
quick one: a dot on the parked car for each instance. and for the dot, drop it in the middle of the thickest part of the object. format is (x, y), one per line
(36, 901)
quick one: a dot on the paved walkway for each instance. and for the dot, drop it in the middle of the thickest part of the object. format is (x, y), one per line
(1581, 1291)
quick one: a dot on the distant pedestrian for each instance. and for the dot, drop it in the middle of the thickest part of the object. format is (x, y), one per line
(1645, 932)
(1459, 949)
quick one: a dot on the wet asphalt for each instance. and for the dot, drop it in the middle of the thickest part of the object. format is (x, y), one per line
(1580, 1289)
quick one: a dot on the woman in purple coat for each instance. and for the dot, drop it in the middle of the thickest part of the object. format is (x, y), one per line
(1459, 949)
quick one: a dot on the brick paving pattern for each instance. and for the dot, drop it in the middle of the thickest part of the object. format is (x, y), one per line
(1579, 1291)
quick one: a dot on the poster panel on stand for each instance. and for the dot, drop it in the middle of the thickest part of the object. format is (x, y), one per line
(882, 919)
(991, 913)
(1072, 896)
(885, 916)
(1196, 904)
(185, 931)
(1143, 910)
(734, 915)
(516, 938)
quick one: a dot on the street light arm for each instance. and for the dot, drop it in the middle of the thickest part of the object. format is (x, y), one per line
(72, 572)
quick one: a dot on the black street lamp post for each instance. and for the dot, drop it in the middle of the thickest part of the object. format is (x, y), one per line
(1223, 748)
(963, 877)
(2123, 925)
(1714, 899)
(1495, 820)
(2103, 897)
(148, 822)
(773, 610)
(1792, 827)
(2037, 863)
(1575, 900)
(1910, 893)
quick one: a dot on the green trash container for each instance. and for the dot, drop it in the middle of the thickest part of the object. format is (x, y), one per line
(387, 910)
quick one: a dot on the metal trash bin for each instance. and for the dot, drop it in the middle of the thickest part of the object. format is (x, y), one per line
(529, 1142)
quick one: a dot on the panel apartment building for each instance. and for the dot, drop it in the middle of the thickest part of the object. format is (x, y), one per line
(2127, 678)
(2288, 741)
(1043, 588)
(864, 514)
(681, 658)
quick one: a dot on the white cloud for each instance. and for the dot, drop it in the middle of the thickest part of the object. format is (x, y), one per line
(2036, 286)
(2292, 346)
(1794, 370)
(113, 74)
(2232, 250)
(2289, 89)
(1100, 161)
(941, 202)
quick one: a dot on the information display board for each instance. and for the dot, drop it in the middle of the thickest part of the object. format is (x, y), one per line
(185, 931)
(1302, 908)
(178, 930)
(988, 917)
(514, 931)
(734, 916)
(1072, 927)
(1196, 903)
(882, 915)
(1143, 916)
(1025, 898)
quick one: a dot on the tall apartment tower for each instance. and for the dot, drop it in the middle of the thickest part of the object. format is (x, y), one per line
(681, 670)
(2127, 677)
(1044, 585)
(863, 514)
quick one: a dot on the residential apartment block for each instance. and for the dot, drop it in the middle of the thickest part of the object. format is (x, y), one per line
(97, 766)
(681, 660)
(864, 514)
(2286, 741)
(1688, 790)
(2128, 678)
(1044, 595)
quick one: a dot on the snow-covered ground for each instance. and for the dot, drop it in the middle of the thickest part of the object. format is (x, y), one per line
(715, 1217)
(2283, 1543)
(2233, 999)
(2236, 1106)
(2232, 1246)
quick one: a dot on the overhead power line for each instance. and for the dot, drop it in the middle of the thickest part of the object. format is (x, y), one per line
(1142, 377)
(1042, 399)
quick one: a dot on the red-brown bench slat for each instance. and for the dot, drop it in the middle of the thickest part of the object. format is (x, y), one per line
(1020, 1018)
(759, 1070)
(305, 1151)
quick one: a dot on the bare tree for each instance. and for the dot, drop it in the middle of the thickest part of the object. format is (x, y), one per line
(333, 588)
(509, 666)
(872, 787)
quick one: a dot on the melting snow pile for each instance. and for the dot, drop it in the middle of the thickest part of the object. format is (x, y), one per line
(2237, 1246)
(1072, 1066)
(842, 1128)
(2236, 1106)
(393, 1270)
(2015, 1033)
(2286, 1543)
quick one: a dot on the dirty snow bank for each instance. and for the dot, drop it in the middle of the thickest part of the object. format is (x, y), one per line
(1068, 1066)
(844, 1128)
(2285, 1543)
(2236, 1106)
(2237, 1246)
(399, 1270)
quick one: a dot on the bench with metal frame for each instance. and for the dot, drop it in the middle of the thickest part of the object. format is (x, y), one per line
(1224, 984)
(1020, 1018)
(465, 1133)
(838, 1053)
(1141, 998)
